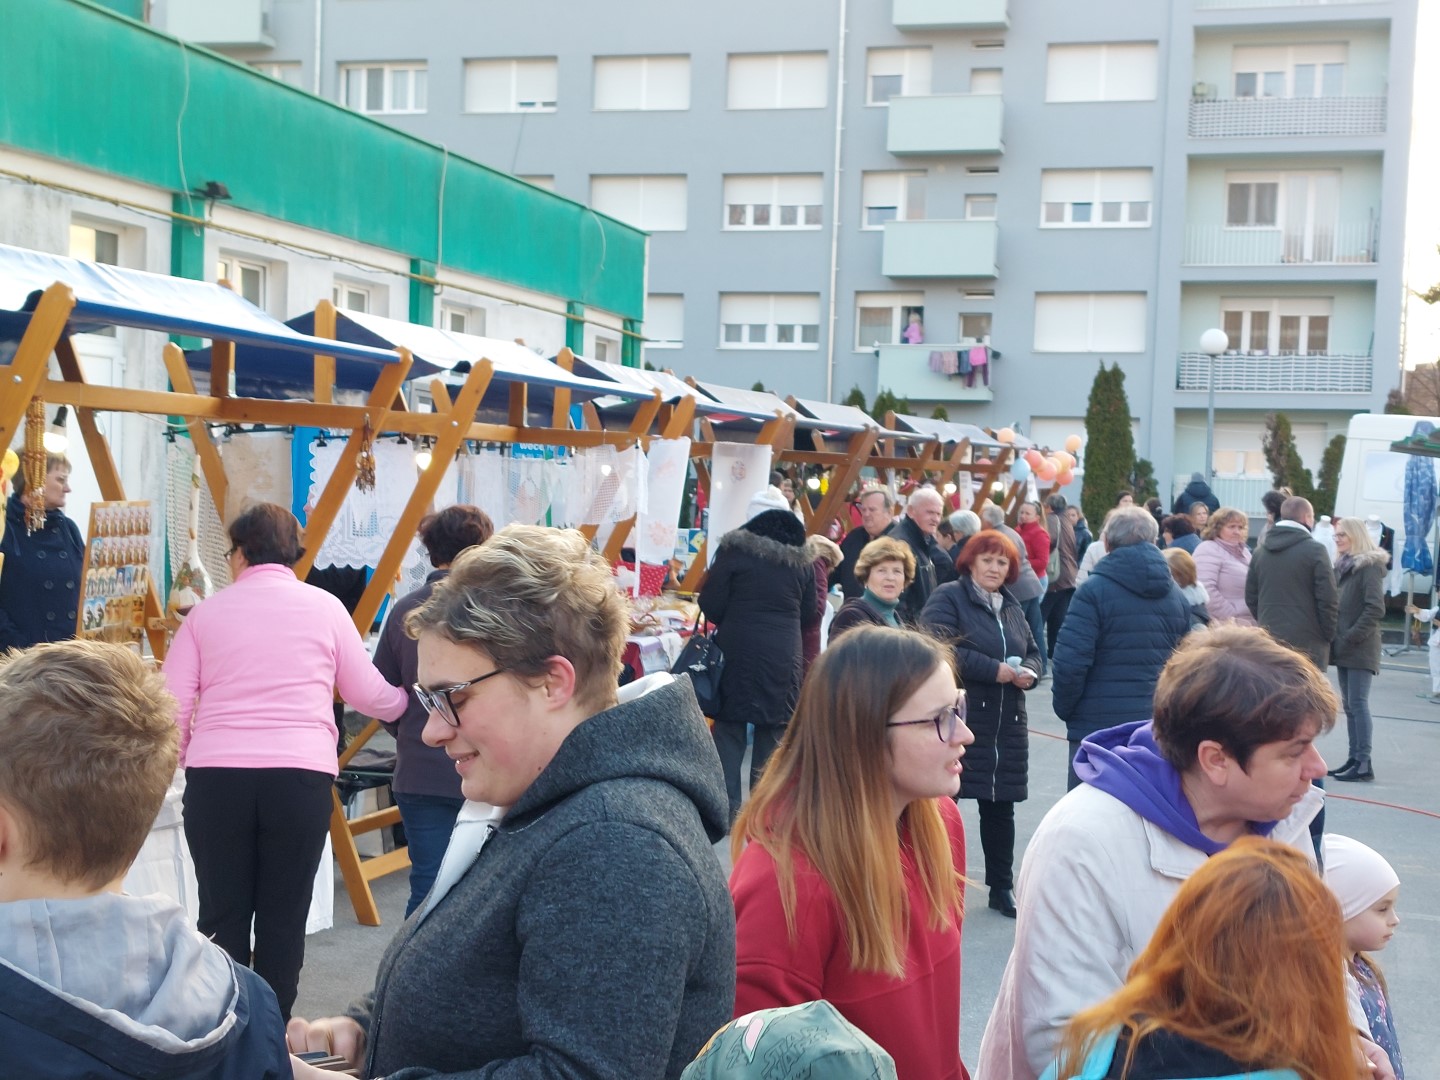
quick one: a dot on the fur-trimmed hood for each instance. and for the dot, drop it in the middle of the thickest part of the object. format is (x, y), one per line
(1360, 560)
(762, 547)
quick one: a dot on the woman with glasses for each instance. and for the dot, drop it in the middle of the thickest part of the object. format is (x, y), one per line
(255, 668)
(579, 924)
(850, 853)
(999, 659)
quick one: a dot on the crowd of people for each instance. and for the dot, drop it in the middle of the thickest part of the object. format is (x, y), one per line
(1179, 912)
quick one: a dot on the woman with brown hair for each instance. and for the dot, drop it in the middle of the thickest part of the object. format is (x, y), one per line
(1242, 976)
(885, 569)
(849, 855)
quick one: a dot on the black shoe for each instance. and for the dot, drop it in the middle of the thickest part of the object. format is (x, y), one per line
(1003, 901)
(1349, 764)
(1361, 770)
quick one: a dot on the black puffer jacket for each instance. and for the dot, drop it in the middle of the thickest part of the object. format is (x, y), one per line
(761, 591)
(997, 763)
(40, 585)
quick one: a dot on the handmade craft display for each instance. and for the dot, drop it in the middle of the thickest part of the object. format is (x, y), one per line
(116, 574)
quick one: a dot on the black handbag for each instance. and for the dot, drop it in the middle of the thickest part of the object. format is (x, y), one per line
(703, 661)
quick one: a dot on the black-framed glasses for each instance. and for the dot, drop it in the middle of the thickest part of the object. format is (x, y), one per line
(947, 721)
(439, 701)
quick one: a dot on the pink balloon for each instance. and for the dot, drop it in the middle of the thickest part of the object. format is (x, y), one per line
(1065, 478)
(1047, 471)
(1033, 457)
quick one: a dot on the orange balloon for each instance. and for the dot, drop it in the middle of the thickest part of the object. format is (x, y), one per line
(1046, 471)
(1073, 443)
(1033, 458)
(1065, 458)
(1065, 478)
(1006, 435)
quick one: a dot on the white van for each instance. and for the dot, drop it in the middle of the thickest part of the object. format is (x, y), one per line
(1372, 476)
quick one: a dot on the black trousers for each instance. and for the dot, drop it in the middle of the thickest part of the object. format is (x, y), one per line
(997, 841)
(257, 836)
(730, 743)
(1054, 607)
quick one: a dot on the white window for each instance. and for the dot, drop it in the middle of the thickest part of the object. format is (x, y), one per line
(246, 277)
(383, 88)
(891, 196)
(1265, 326)
(664, 321)
(653, 203)
(1297, 71)
(985, 80)
(349, 296)
(774, 202)
(606, 350)
(511, 85)
(1095, 198)
(287, 72)
(778, 81)
(880, 318)
(651, 83)
(975, 326)
(895, 73)
(979, 207)
(1090, 322)
(98, 245)
(545, 182)
(462, 320)
(1125, 71)
(769, 320)
(1304, 204)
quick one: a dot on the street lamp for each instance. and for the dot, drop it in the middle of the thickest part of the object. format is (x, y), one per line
(1213, 342)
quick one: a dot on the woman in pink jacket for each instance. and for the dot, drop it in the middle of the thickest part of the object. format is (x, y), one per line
(254, 668)
(1221, 562)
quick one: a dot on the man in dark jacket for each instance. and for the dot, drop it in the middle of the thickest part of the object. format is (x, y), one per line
(1064, 561)
(1290, 587)
(875, 521)
(1195, 491)
(917, 528)
(1126, 619)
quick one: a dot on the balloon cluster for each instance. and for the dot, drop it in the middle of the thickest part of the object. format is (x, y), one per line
(1057, 467)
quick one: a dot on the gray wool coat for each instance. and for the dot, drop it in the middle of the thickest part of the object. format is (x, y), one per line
(593, 936)
(1361, 585)
(1290, 589)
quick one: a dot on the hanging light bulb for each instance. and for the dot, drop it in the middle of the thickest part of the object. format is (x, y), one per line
(423, 457)
(55, 439)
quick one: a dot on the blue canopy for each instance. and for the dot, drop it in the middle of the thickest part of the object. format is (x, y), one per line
(1419, 507)
(116, 296)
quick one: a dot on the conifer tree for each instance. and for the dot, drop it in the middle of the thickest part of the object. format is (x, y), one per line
(1109, 446)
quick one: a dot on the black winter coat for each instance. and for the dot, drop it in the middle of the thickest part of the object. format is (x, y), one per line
(760, 592)
(924, 548)
(1361, 587)
(40, 581)
(1290, 589)
(997, 763)
(1124, 622)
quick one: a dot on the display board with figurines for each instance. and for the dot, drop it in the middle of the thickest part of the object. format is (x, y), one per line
(117, 572)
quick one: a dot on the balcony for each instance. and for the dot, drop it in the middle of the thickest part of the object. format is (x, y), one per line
(1325, 374)
(945, 124)
(1245, 118)
(1229, 5)
(233, 24)
(1219, 245)
(939, 249)
(905, 371)
(950, 15)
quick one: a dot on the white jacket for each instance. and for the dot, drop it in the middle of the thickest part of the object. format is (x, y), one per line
(1094, 882)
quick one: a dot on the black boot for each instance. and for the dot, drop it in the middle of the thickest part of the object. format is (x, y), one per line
(1003, 901)
(1360, 770)
(1349, 764)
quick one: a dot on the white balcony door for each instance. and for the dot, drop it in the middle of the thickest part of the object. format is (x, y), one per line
(1312, 203)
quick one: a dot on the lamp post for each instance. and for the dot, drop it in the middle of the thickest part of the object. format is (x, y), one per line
(1213, 342)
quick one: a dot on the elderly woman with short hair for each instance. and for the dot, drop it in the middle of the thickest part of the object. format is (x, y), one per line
(580, 924)
(886, 568)
(1222, 561)
(998, 659)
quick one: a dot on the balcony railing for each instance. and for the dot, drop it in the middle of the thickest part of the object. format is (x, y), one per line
(939, 249)
(1224, 5)
(1220, 245)
(1325, 374)
(1244, 118)
(945, 124)
(906, 371)
(950, 14)
(1241, 492)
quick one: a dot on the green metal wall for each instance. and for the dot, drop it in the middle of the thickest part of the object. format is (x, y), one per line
(83, 85)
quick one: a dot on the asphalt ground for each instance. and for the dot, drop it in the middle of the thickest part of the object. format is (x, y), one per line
(1398, 814)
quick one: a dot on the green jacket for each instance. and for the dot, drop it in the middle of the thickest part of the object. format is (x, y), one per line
(1362, 605)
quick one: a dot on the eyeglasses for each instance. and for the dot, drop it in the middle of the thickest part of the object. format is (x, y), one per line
(947, 721)
(440, 702)
(232, 551)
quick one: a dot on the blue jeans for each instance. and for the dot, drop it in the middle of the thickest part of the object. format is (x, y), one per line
(1355, 696)
(429, 820)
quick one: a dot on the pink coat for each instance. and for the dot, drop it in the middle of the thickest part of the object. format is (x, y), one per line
(1222, 568)
(255, 668)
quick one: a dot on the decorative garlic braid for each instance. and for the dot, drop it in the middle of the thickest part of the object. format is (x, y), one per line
(33, 462)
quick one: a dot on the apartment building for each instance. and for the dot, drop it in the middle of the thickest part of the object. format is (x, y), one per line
(1044, 185)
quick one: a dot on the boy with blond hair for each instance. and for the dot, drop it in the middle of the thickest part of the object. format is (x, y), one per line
(94, 982)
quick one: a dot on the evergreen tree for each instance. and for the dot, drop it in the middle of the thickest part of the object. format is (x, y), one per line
(759, 386)
(885, 402)
(1327, 484)
(1110, 444)
(1142, 481)
(939, 413)
(1283, 458)
(856, 399)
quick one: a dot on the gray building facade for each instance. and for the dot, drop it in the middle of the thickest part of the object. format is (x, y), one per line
(1045, 185)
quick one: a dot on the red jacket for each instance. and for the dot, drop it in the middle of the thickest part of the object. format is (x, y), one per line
(915, 1018)
(1037, 546)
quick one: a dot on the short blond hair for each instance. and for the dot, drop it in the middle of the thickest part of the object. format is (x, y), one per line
(90, 750)
(1182, 566)
(530, 593)
(885, 549)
